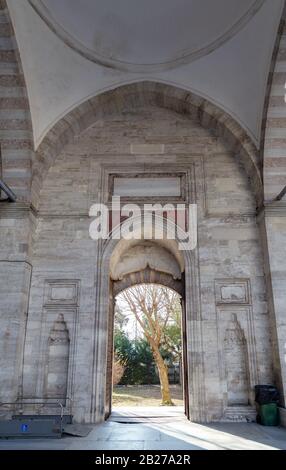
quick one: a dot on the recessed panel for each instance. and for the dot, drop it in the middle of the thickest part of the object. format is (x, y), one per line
(233, 291)
(147, 187)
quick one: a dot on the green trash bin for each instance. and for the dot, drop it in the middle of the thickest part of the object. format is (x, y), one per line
(269, 414)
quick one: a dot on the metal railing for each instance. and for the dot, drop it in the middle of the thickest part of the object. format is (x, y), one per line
(47, 401)
(281, 195)
(43, 402)
(11, 196)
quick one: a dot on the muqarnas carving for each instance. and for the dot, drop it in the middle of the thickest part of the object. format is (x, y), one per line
(236, 364)
(56, 380)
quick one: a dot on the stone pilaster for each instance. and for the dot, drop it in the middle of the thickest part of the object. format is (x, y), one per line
(273, 229)
(16, 222)
(16, 138)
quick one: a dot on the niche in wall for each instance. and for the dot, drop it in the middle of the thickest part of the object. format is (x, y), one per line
(236, 340)
(58, 339)
(236, 364)
(56, 377)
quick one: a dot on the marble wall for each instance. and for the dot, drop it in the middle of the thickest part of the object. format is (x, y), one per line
(54, 286)
(231, 296)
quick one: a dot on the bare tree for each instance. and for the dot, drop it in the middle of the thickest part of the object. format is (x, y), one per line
(153, 307)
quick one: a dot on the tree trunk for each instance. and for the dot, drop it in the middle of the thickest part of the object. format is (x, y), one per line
(163, 375)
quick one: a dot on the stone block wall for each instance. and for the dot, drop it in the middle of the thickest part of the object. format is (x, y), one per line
(229, 249)
(241, 300)
(16, 137)
(15, 278)
(16, 220)
(273, 217)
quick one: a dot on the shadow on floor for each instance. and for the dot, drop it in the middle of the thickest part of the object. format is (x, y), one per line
(161, 433)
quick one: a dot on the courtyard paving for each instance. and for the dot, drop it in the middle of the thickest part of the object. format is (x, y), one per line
(150, 429)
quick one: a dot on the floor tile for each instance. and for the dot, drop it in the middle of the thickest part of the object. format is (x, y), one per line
(162, 433)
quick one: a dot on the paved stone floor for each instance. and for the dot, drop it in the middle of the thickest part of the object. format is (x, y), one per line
(161, 431)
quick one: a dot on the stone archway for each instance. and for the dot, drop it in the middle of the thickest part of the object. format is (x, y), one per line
(195, 399)
(143, 277)
(145, 262)
(212, 272)
(132, 96)
(148, 276)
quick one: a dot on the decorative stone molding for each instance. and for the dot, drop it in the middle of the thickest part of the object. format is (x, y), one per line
(144, 255)
(16, 210)
(176, 179)
(61, 292)
(244, 317)
(232, 292)
(191, 173)
(148, 276)
(273, 209)
(233, 300)
(57, 361)
(50, 317)
(60, 309)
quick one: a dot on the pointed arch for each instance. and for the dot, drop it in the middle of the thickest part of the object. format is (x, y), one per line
(134, 95)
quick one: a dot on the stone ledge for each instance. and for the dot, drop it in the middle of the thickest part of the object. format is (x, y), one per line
(238, 414)
(273, 209)
(15, 209)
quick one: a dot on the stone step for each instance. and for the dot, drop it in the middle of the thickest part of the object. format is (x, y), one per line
(240, 414)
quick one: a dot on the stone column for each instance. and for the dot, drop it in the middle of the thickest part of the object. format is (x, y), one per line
(15, 275)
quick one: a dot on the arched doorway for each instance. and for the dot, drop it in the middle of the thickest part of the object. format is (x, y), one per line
(72, 274)
(146, 262)
(122, 264)
(149, 368)
(149, 262)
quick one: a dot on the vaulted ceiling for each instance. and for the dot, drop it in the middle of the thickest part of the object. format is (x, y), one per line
(136, 36)
(72, 50)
